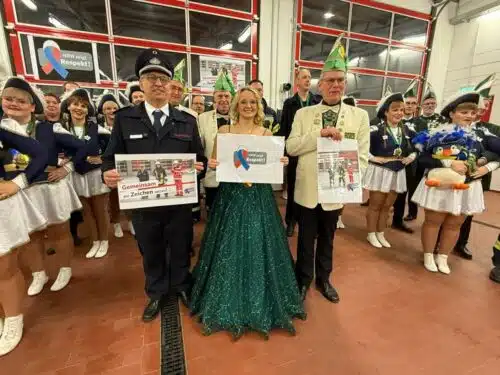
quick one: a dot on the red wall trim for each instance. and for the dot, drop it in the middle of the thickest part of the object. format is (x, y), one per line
(300, 9)
(17, 55)
(10, 15)
(414, 47)
(141, 43)
(310, 64)
(254, 73)
(220, 11)
(321, 29)
(402, 75)
(220, 53)
(254, 36)
(172, 3)
(103, 84)
(297, 45)
(255, 7)
(369, 38)
(393, 8)
(368, 102)
(63, 34)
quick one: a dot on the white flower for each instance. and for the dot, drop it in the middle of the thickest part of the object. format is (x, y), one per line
(87, 138)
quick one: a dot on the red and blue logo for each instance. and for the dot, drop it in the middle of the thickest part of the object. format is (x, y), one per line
(53, 54)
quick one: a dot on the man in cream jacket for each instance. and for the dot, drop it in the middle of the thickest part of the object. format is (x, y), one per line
(337, 121)
(208, 124)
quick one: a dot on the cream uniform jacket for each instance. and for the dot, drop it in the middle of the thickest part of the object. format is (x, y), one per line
(207, 125)
(352, 122)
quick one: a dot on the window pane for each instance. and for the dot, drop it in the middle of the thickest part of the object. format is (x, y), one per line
(126, 56)
(205, 69)
(364, 86)
(367, 55)
(370, 21)
(26, 54)
(149, 22)
(409, 29)
(398, 85)
(315, 47)
(104, 58)
(371, 109)
(334, 14)
(244, 5)
(85, 15)
(405, 60)
(57, 90)
(215, 32)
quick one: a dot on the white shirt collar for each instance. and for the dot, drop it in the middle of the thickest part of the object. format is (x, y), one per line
(150, 109)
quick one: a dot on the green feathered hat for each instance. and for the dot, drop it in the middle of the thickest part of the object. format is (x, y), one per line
(429, 92)
(224, 83)
(337, 59)
(412, 90)
(483, 88)
(179, 71)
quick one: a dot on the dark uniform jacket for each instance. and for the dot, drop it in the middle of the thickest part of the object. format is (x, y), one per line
(290, 107)
(10, 139)
(382, 144)
(133, 133)
(488, 134)
(423, 123)
(96, 140)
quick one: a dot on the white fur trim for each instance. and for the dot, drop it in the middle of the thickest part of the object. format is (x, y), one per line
(13, 126)
(58, 128)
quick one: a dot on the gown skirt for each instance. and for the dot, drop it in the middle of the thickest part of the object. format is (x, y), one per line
(244, 279)
(19, 217)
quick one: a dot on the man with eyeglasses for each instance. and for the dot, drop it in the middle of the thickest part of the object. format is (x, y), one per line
(410, 109)
(209, 123)
(156, 127)
(318, 221)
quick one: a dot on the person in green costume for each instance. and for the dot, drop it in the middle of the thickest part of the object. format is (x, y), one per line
(244, 279)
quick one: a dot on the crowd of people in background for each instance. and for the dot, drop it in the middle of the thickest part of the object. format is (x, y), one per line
(58, 171)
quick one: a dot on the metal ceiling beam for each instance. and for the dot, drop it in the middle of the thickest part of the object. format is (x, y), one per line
(467, 16)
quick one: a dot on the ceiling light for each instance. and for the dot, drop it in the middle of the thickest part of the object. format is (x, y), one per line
(245, 34)
(56, 23)
(226, 46)
(416, 39)
(328, 15)
(30, 4)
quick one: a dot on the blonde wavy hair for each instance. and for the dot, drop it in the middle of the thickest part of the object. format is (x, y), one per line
(234, 114)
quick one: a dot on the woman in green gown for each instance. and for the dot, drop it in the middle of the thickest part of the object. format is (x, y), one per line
(244, 279)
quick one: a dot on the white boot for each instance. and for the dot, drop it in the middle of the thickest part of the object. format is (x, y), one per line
(12, 334)
(372, 239)
(118, 230)
(429, 263)
(62, 280)
(39, 280)
(131, 228)
(93, 250)
(442, 263)
(103, 249)
(340, 223)
(382, 240)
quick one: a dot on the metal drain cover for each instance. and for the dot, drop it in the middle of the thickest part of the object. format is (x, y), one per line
(173, 361)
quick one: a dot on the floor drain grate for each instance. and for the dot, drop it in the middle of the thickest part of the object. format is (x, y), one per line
(173, 361)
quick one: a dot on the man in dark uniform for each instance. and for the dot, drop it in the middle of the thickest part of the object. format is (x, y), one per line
(428, 120)
(270, 115)
(303, 98)
(155, 127)
(410, 109)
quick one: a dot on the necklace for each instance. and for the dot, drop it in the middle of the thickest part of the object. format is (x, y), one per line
(397, 138)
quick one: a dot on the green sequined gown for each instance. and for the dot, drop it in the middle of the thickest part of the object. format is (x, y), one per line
(244, 279)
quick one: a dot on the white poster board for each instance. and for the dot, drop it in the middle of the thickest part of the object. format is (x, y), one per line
(339, 176)
(150, 180)
(210, 67)
(250, 158)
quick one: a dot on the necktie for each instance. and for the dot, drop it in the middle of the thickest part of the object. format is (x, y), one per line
(157, 120)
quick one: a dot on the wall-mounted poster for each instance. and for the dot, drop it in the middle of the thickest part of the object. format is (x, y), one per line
(63, 60)
(211, 66)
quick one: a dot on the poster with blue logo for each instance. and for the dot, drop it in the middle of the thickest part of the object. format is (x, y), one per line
(250, 158)
(63, 60)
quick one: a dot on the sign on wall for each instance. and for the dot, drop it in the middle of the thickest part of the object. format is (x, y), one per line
(63, 60)
(211, 66)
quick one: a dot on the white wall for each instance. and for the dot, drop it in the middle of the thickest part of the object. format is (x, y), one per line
(5, 69)
(423, 6)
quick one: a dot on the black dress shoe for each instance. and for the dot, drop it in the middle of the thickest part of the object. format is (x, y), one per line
(495, 274)
(463, 252)
(184, 297)
(290, 228)
(152, 310)
(402, 228)
(328, 291)
(365, 204)
(410, 218)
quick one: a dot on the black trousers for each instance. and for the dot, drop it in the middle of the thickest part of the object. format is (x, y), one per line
(163, 235)
(463, 238)
(210, 194)
(196, 208)
(291, 206)
(75, 219)
(312, 222)
(496, 255)
(400, 203)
